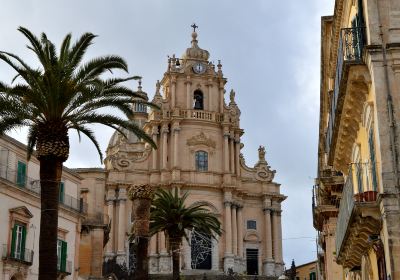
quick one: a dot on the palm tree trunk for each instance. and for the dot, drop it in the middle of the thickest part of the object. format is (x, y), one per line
(175, 246)
(50, 176)
(141, 211)
(142, 259)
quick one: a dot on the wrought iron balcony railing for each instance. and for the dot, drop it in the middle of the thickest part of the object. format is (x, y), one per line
(67, 268)
(23, 256)
(359, 189)
(350, 51)
(33, 186)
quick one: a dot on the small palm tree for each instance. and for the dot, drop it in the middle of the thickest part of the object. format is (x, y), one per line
(62, 94)
(170, 215)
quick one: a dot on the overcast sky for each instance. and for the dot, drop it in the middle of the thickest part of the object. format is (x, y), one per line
(270, 52)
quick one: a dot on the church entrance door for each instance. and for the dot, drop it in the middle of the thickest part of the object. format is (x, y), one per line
(201, 250)
(252, 261)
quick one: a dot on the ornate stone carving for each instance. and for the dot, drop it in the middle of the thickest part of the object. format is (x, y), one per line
(234, 111)
(262, 170)
(124, 161)
(201, 139)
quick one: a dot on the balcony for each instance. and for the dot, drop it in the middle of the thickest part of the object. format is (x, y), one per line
(350, 87)
(359, 216)
(33, 186)
(25, 256)
(191, 114)
(64, 269)
(326, 197)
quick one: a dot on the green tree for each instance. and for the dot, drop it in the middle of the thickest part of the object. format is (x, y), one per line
(63, 93)
(169, 214)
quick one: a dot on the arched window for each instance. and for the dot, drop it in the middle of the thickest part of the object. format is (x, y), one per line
(198, 100)
(201, 161)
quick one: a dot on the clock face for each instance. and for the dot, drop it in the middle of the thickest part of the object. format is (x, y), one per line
(199, 68)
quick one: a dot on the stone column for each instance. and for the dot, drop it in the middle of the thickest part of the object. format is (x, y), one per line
(164, 260)
(237, 153)
(228, 228)
(209, 86)
(240, 230)
(188, 93)
(234, 231)
(226, 152)
(164, 131)
(173, 91)
(268, 263)
(155, 133)
(232, 153)
(221, 97)
(153, 257)
(187, 257)
(215, 254)
(279, 229)
(110, 211)
(121, 225)
(162, 247)
(277, 241)
(228, 258)
(176, 144)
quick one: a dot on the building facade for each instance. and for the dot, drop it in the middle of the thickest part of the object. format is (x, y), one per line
(199, 145)
(356, 198)
(20, 216)
(306, 271)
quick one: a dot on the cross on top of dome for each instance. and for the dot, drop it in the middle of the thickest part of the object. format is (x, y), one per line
(195, 52)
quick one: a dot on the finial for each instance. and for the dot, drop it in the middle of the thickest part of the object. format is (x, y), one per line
(194, 26)
(140, 85)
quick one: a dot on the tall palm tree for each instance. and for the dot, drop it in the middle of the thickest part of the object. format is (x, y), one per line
(169, 214)
(62, 94)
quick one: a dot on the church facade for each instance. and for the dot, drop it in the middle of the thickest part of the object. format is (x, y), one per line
(198, 136)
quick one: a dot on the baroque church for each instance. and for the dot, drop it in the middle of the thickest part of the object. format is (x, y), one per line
(198, 136)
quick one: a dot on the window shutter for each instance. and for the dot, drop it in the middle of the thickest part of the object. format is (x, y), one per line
(61, 192)
(373, 160)
(21, 174)
(23, 241)
(13, 239)
(63, 255)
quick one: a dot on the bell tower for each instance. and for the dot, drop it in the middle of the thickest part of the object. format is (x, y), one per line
(191, 97)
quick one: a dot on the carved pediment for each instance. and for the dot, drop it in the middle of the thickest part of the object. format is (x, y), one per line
(201, 139)
(22, 211)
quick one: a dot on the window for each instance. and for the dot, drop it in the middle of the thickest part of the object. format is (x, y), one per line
(201, 161)
(251, 224)
(198, 100)
(312, 276)
(18, 241)
(61, 193)
(21, 174)
(61, 255)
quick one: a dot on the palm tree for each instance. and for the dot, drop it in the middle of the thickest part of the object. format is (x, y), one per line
(169, 214)
(62, 94)
(141, 196)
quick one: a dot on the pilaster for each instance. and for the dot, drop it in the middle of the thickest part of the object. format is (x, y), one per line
(110, 199)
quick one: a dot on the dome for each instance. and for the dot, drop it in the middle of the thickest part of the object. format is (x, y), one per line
(195, 52)
(131, 138)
